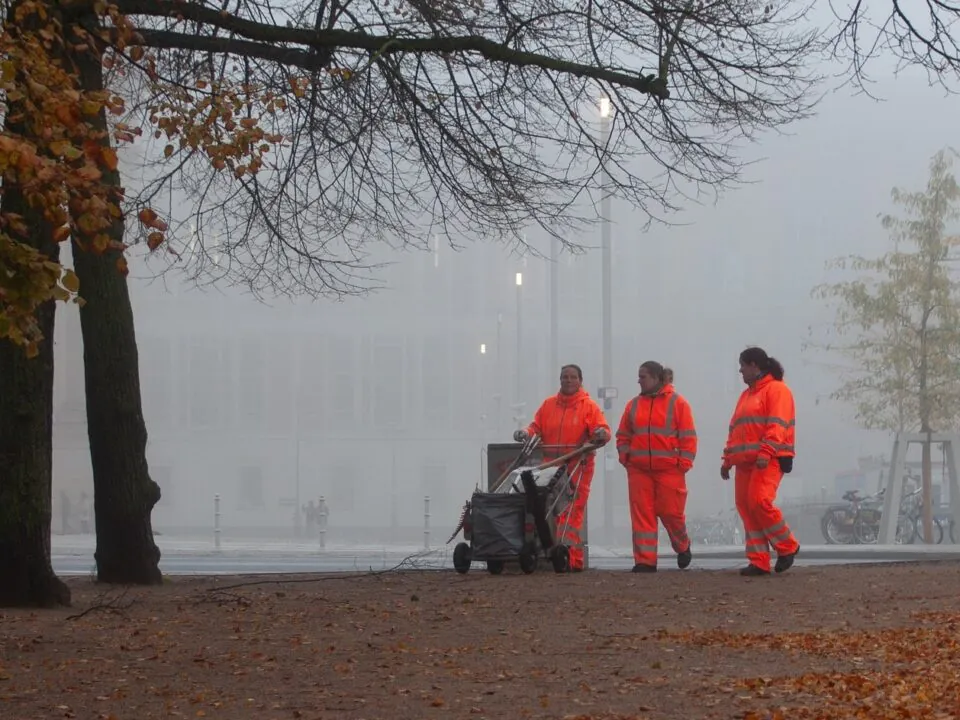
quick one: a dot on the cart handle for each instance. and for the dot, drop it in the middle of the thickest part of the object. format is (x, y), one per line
(585, 448)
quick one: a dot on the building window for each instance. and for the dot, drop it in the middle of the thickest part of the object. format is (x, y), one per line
(342, 380)
(435, 381)
(204, 384)
(311, 393)
(436, 483)
(340, 488)
(250, 488)
(156, 381)
(251, 382)
(387, 384)
(162, 475)
(279, 401)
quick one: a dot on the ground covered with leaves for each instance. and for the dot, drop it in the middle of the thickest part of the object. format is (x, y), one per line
(871, 642)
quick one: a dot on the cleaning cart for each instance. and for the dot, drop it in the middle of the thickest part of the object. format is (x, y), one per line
(518, 518)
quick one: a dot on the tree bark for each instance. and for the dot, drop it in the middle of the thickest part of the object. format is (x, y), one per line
(124, 494)
(26, 452)
(26, 436)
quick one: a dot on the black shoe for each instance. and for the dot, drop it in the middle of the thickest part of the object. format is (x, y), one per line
(638, 568)
(576, 569)
(785, 562)
(752, 570)
(684, 559)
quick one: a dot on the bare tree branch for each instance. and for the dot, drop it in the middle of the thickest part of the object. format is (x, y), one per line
(472, 120)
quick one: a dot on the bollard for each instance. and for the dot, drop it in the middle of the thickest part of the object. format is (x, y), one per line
(216, 521)
(426, 522)
(322, 522)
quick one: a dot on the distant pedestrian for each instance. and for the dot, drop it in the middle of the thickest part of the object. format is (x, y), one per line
(310, 515)
(86, 511)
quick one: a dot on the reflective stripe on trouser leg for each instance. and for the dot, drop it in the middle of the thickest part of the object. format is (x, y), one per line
(643, 516)
(767, 516)
(575, 512)
(757, 548)
(670, 502)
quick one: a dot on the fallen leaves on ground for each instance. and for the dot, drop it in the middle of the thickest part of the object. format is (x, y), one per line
(908, 672)
(415, 646)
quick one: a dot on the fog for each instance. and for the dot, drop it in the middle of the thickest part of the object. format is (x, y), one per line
(378, 401)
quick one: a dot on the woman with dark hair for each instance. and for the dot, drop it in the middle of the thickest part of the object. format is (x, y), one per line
(760, 447)
(564, 422)
(657, 444)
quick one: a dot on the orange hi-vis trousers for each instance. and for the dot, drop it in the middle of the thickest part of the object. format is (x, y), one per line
(657, 494)
(570, 521)
(763, 523)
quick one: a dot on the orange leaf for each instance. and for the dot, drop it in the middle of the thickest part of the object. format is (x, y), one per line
(61, 233)
(109, 157)
(122, 266)
(154, 240)
(147, 217)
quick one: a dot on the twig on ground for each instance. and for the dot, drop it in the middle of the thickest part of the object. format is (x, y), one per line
(409, 563)
(107, 604)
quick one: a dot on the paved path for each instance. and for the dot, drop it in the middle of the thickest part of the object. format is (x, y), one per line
(73, 555)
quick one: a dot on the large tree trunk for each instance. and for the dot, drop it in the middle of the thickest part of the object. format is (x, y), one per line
(124, 494)
(26, 452)
(26, 438)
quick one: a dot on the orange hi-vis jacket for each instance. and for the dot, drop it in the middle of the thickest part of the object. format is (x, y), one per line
(564, 422)
(657, 432)
(763, 423)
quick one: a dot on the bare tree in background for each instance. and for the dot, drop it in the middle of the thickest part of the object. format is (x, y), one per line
(917, 33)
(476, 120)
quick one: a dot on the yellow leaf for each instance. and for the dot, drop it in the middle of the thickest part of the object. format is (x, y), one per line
(31, 350)
(8, 71)
(70, 281)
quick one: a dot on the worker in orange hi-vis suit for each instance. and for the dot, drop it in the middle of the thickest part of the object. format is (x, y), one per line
(657, 444)
(760, 447)
(564, 422)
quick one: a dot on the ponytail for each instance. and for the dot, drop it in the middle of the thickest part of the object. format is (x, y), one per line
(774, 368)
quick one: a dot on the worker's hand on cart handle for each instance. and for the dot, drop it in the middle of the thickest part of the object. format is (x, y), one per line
(725, 472)
(601, 436)
(520, 436)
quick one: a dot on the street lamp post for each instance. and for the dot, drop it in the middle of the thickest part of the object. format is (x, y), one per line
(483, 413)
(498, 396)
(554, 306)
(517, 381)
(606, 310)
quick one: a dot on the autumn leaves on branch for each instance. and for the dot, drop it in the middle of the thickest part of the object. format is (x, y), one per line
(50, 149)
(51, 152)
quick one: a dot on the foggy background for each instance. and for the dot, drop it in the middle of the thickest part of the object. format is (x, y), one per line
(377, 401)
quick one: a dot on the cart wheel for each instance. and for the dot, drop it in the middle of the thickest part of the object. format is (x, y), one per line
(561, 559)
(529, 558)
(495, 567)
(462, 557)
